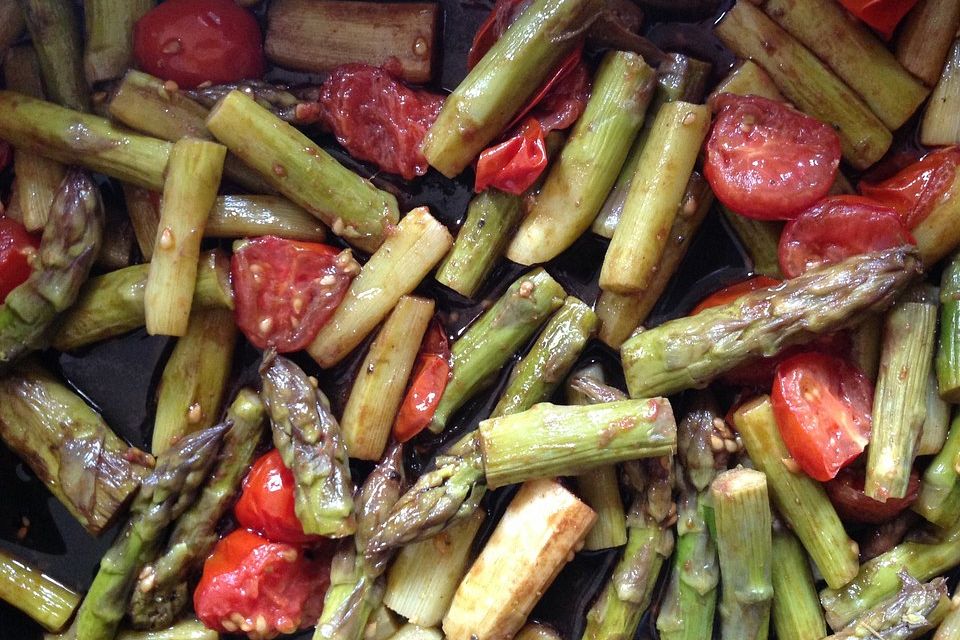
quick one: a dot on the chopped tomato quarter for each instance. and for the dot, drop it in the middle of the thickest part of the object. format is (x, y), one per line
(427, 384)
(267, 501)
(853, 505)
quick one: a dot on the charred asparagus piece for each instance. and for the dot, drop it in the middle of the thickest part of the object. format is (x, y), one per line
(916, 609)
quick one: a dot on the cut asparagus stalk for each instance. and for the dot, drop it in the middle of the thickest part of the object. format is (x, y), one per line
(382, 379)
(914, 610)
(541, 528)
(144, 213)
(492, 339)
(748, 79)
(505, 78)
(899, 404)
(398, 266)
(806, 81)
(381, 624)
(550, 440)
(49, 130)
(35, 593)
(938, 234)
(319, 37)
(184, 630)
(948, 351)
(926, 36)
(939, 497)
(113, 304)
(949, 628)
(118, 248)
(655, 196)
(760, 239)
(578, 182)
(621, 314)
(12, 24)
(195, 377)
(109, 28)
(425, 575)
(250, 216)
(351, 206)
(689, 352)
(55, 32)
(865, 346)
(417, 632)
(801, 501)
(936, 421)
(741, 508)
(796, 609)
(193, 177)
(941, 123)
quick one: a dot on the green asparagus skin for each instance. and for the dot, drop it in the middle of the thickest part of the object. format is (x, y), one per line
(939, 497)
(493, 338)
(916, 609)
(689, 352)
(949, 629)
(378, 495)
(308, 438)
(164, 496)
(109, 29)
(936, 423)
(948, 351)
(70, 243)
(760, 239)
(55, 31)
(796, 609)
(189, 629)
(36, 594)
(162, 591)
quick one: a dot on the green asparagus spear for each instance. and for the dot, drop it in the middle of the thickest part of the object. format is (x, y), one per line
(378, 495)
(250, 216)
(949, 629)
(55, 31)
(796, 610)
(35, 593)
(925, 36)
(939, 497)
(941, 125)
(916, 609)
(936, 422)
(948, 351)
(689, 352)
(162, 590)
(308, 438)
(109, 28)
(68, 248)
(164, 496)
(191, 629)
(760, 238)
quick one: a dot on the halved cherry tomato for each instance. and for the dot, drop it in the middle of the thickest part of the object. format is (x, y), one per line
(768, 161)
(502, 15)
(734, 291)
(513, 166)
(914, 190)
(259, 587)
(195, 41)
(16, 245)
(882, 15)
(823, 407)
(286, 291)
(427, 384)
(267, 501)
(853, 505)
(836, 228)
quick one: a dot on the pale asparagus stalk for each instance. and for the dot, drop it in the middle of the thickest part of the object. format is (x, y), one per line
(949, 628)
(416, 632)
(748, 79)
(144, 216)
(537, 631)
(796, 612)
(865, 347)
(939, 497)
(402, 261)
(938, 234)
(941, 122)
(242, 216)
(35, 593)
(935, 422)
(925, 38)
(913, 611)
(55, 31)
(381, 624)
(109, 28)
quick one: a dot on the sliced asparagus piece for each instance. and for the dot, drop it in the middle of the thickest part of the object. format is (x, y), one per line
(55, 32)
(948, 351)
(191, 629)
(796, 610)
(249, 216)
(35, 593)
(939, 497)
(949, 629)
(936, 421)
(916, 609)
(865, 348)
(749, 79)
(938, 234)
(381, 624)
(941, 124)
(537, 631)
(416, 632)
(109, 28)
(760, 238)
(925, 38)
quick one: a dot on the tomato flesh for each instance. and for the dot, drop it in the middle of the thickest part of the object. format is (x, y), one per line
(286, 291)
(734, 291)
(427, 384)
(266, 504)
(837, 228)
(768, 161)
(853, 505)
(916, 188)
(823, 407)
(16, 247)
(195, 41)
(882, 15)
(259, 587)
(515, 164)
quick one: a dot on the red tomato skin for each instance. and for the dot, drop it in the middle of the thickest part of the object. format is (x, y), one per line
(286, 291)
(916, 188)
(837, 228)
(768, 161)
(853, 505)
(515, 164)
(431, 372)
(251, 577)
(16, 246)
(195, 41)
(266, 504)
(734, 291)
(379, 119)
(823, 408)
(882, 15)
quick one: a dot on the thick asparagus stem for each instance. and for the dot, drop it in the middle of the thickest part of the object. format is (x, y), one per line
(398, 266)
(948, 351)
(165, 495)
(55, 31)
(600, 489)
(748, 78)
(926, 36)
(381, 625)
(939, 497)
(916, 609)
(796, 609)
(70, 243)
(689, 352)
(308, 438)
(144, 213)
(899, 404)
(195, 377)
(351, 206)
(113, 304)
(760, 238)
(938, 234)
(249, 216)
(492, 217)
(162, 589)
(379, 386)
(588, 165)
(941, 124)
(35, 593)
(865, 348)
(492, 339)
(936, 420)
(800, 500)
(109, 27)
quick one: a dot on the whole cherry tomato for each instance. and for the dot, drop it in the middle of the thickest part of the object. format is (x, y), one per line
(16, 246)
(853, 505)
(427, 384)
(916, 188)
(514, 165)
(267, 501)
(882, 15)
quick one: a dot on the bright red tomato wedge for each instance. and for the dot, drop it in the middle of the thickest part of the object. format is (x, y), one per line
(734, 291)
(853, 505)
(267, 502)
(882, 15)
(837, 228)
(251, 584)
(286, 291)
(16, 245)
(427, 384)
(197, 41)
(514, 165)
(823, 407)
(914, 190)
(768, 161)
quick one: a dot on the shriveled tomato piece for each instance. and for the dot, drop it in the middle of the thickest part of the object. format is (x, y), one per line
(882, 15)
(853, 505)
(261, 588)
(734, 291)
(286, 291)
(267, 502)
(915, 189)
(837, 228)
(514, 165)
(768, 161)
(16, 245)
(427, 384)
(823, 407)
